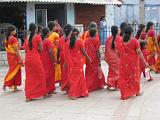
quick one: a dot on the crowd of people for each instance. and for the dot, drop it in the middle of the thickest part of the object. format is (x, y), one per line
(55, 56)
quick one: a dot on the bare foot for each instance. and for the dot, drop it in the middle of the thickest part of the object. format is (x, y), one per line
(4, 88)
(65, 93)
(16, 90)
(110, 89)
(29, 100)
(140, 94)
(46, 96)
(73, 98)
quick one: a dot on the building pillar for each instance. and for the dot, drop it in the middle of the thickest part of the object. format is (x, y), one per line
(109, 12)
(141, 12)
(70, 14)
(30, 13)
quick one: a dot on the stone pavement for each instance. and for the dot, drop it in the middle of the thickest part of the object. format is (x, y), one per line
(100, 105)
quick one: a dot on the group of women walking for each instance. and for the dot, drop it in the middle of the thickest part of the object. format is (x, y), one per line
(129, 56)
(53, 55)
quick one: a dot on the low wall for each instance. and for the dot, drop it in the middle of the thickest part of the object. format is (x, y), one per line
(3, 56)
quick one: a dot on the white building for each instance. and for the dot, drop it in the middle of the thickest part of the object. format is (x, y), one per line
(129, 12)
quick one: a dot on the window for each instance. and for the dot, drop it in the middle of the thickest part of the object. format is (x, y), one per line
(41, 17)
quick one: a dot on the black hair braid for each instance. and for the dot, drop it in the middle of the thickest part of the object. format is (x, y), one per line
(73, 38)
(114, 31)
(32, 29)
(45, 32)
(127, 34)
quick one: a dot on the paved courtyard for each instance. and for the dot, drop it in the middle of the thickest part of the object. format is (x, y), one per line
(100, 105)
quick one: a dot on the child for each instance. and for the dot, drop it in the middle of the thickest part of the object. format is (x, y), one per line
(157, 66)
(145, 53)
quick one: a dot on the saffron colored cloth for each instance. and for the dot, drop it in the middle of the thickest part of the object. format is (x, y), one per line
(129, 71)
(64, 71)
(112, 59)
(151, 47)
(92, 45)
(48, 66)
(76, 79)
(13, 77)
(157, 66)
(35, 84)
(54, 38)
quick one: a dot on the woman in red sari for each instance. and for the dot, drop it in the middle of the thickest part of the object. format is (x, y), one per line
(141, 33)
(94, 75)
(35, 83)
(74, 53)
(13, 77)
(129, 71)
(112, 57)
(151, 43)
(48, 61)
(67, 33)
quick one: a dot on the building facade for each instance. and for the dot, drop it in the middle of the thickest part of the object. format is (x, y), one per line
(130, 12)
(76, 12)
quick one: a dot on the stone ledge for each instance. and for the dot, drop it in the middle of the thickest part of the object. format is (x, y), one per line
(3, 56)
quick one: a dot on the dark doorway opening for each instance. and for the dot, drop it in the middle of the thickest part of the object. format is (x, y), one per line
(54, 12)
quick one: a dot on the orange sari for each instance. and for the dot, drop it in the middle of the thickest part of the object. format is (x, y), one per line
(157, 66)
(151, 47)
(13, 77)
(54, 38)
(112, 59)
(129, 70)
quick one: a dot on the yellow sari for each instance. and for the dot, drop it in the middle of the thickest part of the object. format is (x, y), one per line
(54, 38)
(13, 77)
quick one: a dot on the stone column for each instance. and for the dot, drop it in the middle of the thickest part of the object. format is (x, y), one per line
(141, 12)
(30, 13)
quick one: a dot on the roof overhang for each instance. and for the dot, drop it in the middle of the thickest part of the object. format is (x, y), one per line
(97, 2)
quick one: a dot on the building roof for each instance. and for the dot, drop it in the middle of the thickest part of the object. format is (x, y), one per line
(98, 2)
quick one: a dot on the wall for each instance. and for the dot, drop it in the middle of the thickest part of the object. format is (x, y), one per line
(110, 15)
(87, 13)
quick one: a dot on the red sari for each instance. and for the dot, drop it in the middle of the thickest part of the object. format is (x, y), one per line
(129, 78)
(112, 59)
(48, 66)
(13, 77)
(76, 79)
(35, 84)
(64, 82)
(145, 53)
(92, 45)
(151, 47)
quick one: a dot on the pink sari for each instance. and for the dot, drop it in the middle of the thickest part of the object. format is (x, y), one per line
(129, 75)
(112, 59)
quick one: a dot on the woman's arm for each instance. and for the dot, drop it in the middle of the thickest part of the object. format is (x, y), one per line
(86, 55)
(18, 54)
(139, 52)
(99, 57)
(51, 54)
(40, 46)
